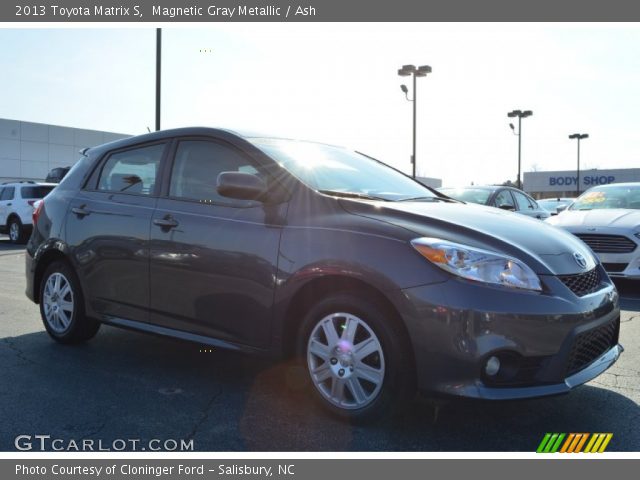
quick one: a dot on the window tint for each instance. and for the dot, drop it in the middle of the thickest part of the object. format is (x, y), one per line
(7, 193)
(523, 201)
(132, 171)
(504, 198)
(39, 191)
(197, 166)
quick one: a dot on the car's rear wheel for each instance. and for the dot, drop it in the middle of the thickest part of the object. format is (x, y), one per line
(17, 233)
(356, 357)
(62, 306)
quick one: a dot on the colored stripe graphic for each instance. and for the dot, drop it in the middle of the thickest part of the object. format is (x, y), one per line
(550, 442)
(574, 442)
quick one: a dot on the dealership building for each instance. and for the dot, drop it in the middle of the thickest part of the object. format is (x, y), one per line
(28, 151)
(564, 183)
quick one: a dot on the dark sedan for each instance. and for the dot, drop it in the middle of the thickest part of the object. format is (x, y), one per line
(506, 198)
(377, 285)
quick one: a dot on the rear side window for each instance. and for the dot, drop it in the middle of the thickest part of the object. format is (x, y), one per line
(7, 193)
(132, 171)
(39, 191)
(197, 166)
(523, 201)
(504, 198)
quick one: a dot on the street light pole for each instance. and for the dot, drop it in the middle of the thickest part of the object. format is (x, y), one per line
(520, 114)
(415, 109)
(158, 69)
(405, 71)
(578, 136)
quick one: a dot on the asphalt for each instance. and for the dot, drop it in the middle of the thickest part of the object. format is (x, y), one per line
(126, 385)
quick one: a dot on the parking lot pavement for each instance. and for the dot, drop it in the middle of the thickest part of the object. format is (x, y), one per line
(125, 385)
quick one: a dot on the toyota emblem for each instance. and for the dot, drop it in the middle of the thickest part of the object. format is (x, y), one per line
(580, 260)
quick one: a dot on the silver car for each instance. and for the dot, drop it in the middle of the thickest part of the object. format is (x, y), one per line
(607, 218)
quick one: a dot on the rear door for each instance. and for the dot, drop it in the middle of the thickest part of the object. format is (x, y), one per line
(107, 229)
(213, 259)
(6, 202)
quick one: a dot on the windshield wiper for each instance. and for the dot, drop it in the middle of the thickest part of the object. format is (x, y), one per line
(364, 196)
(434, 199)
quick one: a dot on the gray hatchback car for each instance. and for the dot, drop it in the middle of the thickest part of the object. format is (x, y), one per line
(378, 285)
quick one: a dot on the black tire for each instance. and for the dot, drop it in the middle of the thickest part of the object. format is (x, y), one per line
(398, 385)
(79, 328)
(21, 236)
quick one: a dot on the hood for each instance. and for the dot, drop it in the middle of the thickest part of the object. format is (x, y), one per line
(605, 217)
(545, 249)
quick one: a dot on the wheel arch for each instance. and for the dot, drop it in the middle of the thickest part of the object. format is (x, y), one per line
(44, 261)
(314, 290)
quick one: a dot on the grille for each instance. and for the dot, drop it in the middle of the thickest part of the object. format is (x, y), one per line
(615, 267)
(589, 345)
(607, 243)
(583, 283)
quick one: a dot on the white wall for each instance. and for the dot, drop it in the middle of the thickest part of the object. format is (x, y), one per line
(565, 181)
(29, 150)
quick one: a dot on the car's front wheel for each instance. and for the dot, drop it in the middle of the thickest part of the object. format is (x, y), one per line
(357, 357)
(62, 306)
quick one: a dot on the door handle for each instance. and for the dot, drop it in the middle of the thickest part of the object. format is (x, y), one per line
(166, 222)
(81, 211)
(9, 204)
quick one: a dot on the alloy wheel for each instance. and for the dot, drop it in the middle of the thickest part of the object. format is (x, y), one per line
(346, 361)
(14, 232)
(58, 302)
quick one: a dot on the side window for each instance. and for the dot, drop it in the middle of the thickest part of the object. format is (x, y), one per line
(132, 171)
(504, 198)
(523, 201)
(7, 193)
(196, 168)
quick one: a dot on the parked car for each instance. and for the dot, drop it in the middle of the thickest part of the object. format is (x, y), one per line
(607, 218)
(377, 284)
(555, 205)
(506, 198)
(16, 207)
(57, 174)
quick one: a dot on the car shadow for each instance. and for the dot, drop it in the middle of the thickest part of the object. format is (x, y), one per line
(129, 385)
(629, 291)
(7, 247)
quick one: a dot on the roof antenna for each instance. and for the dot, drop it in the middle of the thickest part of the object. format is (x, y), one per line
(148, 130)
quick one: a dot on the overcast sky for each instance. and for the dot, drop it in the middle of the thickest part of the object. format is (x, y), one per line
(338, 83)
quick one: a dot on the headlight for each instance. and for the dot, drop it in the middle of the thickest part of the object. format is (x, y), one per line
(637, 234)
(475, 264)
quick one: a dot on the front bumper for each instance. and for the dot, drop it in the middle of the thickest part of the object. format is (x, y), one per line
(552, 341)
(480, 391)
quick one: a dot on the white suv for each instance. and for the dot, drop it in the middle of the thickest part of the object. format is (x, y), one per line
(16, 207)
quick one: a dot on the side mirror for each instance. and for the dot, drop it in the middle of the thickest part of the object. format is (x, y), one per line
(506, 206)
(241, 186)
(561, 208)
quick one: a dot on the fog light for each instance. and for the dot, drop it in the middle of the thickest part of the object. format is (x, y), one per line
(492, 366)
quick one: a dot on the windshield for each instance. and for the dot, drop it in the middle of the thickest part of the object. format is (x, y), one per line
(611, 196)
(473, 195)
(336, 170)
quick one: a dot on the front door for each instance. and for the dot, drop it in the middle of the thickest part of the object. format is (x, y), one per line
(213, 259)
